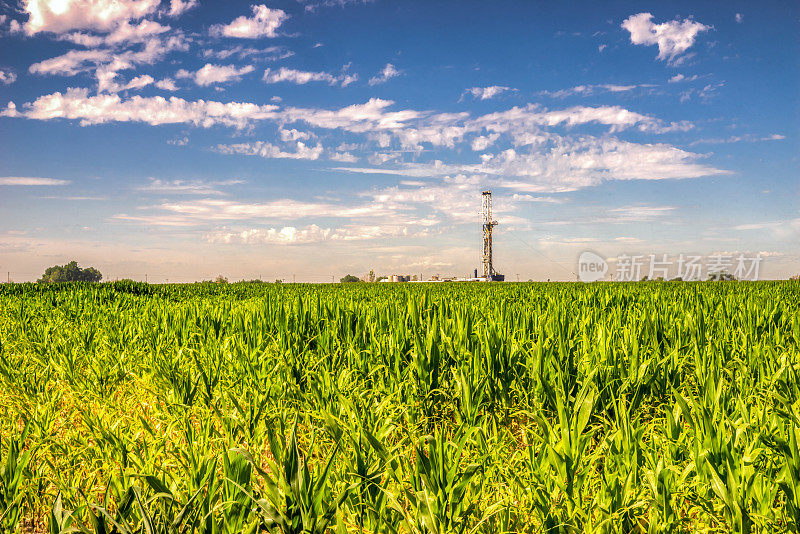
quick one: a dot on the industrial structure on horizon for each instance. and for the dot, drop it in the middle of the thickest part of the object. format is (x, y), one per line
(489, 274)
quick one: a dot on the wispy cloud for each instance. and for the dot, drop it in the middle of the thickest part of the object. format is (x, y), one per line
(681, 78)
(186, 187)
(586, 90)
(31, 181)
(270, 53)
(210, 74)
(746, 138)
(302, 77)
(388, 72)
(269, 151)
(487, 93)
(312, 6)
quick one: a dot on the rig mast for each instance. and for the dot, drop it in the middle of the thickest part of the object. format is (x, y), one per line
(488, 224)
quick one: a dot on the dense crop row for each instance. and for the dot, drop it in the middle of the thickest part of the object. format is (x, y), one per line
(401, 408)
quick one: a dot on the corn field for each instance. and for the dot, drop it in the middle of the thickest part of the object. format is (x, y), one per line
(404, 408)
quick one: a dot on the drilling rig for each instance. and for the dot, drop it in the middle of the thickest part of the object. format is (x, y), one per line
(489, 273)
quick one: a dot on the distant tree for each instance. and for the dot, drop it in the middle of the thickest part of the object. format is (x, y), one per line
(278, 281)
(70, 273)
(677, 279)
(381, 278)
(721, 276)
(414, 278)
(349, 279)
(220, 280)
(795, 277)
(371, 275)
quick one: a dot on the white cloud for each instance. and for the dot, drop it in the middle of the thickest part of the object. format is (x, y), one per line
(76, 104)
(586, 90)
(678, 78)
(601, 47)
(313, 6)
(107, 62)
(212, 74)
(138, 82)
(270, 53)
(528, 119)
(263, 23)
(486, 93)
(71, 63)
(786, 229)
(179, 7)
(482, 142)
(179, 141)
(672, 37)
(290, 235)
(186, 187)
(371, 116)
(516, 197)
(269, 151)
(293, 135)
(345, 157)
(7, 77)
(747, 138)
(167, 84)
(303, 77)
(568, 164)
(196, 212)
(638, 213)
(388, 72)
(125, 34)
(739, 18)
(29, 180)
(60, 16)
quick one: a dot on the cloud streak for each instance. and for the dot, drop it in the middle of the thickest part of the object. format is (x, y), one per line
(31, 181)
(302, 77)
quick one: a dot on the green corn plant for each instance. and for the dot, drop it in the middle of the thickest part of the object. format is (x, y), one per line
(725, 453)
(619, 499)
(14, 472)
(566, 442)
(438, 500)
(141, 399)
(294, 500)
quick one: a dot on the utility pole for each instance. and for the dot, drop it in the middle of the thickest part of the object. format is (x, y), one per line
(294, 279)
(145, 278)
(488, 224)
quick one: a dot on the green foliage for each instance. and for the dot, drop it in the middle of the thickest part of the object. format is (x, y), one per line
(70, 273)
(349, 278)
(399, 408)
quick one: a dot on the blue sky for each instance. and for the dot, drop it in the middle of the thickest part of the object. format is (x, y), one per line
(184, 139)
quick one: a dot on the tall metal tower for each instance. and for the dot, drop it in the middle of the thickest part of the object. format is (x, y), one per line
(488, 224)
